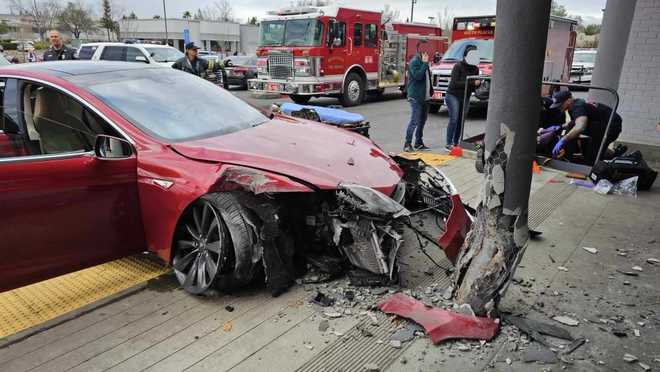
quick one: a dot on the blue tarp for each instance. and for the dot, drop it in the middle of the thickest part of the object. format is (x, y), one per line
(328, 115)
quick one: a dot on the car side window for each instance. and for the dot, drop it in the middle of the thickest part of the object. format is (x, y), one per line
(86, 52)
(357, 34)
(132, 53)
(11, 143)
(114, 53)
(52, 122)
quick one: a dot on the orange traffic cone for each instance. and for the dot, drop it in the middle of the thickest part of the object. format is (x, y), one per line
(535, 167)
(456, 151)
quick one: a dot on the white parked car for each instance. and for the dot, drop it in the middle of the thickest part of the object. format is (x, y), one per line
(146, 53)
(583, 65)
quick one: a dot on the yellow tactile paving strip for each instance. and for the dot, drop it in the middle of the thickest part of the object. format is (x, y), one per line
(31, 305)
(430, 158)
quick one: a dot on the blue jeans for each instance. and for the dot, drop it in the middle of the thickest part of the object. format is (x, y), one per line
(419, 111)
(454, 107)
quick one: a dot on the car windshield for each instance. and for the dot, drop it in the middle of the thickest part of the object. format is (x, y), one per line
(196, 109)
(294, 32)
(584, 57)
(243, 60)
(164, 54)
(455, 51)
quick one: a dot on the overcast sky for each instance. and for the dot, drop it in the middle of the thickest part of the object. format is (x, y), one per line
(589, 10)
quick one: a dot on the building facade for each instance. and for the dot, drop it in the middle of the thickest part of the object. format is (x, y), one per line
(639, 86)
(209, 35)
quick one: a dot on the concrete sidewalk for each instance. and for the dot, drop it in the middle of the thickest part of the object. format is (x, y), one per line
(163, 329)
(591, 290)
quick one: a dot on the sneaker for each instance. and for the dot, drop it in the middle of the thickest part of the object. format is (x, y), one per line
(408, 148)
(422, 147)
(448, 147)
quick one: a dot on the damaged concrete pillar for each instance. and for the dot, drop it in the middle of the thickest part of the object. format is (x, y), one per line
(613, 40)
(499, 235)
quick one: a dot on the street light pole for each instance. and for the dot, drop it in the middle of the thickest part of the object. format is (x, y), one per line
(412, 9)
(167, 39)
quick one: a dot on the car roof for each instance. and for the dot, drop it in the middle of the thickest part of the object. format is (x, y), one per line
(76, 68)
(125, 44)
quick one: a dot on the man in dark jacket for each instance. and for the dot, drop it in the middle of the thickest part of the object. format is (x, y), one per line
(419, 91)
(455, 97)
(58, 51)
(590, 118)
(191, 63)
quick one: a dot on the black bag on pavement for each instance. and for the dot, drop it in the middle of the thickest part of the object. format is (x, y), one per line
(623, 167)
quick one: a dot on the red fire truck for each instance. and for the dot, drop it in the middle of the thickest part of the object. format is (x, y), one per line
(337, 52)
(480, 32)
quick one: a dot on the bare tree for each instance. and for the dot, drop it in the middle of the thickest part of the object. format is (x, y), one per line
(390, 14)
(42, 13)
(446, 21)
(225, 12)
(76, 18)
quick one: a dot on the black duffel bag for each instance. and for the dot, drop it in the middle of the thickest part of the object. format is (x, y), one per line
(623, 167)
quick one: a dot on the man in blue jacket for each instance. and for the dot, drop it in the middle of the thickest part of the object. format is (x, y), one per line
(419, 92)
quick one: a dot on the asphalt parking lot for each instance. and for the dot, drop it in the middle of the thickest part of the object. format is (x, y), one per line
(389, 116)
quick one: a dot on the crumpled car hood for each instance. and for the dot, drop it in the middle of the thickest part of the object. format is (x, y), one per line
(315, 153)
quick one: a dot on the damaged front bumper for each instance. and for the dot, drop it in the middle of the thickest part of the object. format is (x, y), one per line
(355, 226)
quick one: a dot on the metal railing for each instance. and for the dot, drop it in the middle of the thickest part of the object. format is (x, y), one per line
(561, 165)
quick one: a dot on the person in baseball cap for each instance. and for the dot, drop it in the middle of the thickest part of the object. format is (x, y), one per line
(590, 119)
(191, 63)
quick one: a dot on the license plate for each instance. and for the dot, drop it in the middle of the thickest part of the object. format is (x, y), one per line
(273, 87)
(437, 95)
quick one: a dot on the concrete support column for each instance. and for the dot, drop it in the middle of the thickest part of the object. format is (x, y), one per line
(612, 44)
(515, 92)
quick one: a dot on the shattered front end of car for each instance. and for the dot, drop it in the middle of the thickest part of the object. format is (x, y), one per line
(353, 229)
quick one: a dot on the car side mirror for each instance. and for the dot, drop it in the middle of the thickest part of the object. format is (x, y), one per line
(112, 148)
(141, 59)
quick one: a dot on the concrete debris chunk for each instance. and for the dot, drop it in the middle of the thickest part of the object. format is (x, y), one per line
(539, 354)
(395, 344)
(636, 332)
(406, 334)
(590, 250)
(644, 366)
(371, 367)
(322, 299)
(574, 345)
(508, 361)
(332, 314)
(629, 358)
(566, 320)
(626, 272)
(653, 261)
(637, 268)
(562, 268)
(324, 325)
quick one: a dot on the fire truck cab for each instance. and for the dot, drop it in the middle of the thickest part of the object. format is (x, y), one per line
(480, 32)
(337, 52)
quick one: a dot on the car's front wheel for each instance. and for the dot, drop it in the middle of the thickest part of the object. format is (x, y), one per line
(200, 249)
(214, 245)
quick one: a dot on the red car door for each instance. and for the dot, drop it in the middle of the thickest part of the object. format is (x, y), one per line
(63, 211)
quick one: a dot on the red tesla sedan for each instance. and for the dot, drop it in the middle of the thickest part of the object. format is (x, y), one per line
(103, 160)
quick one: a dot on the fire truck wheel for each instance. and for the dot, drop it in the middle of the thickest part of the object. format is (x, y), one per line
(434, 108)
(353, 90)
(301, 100)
